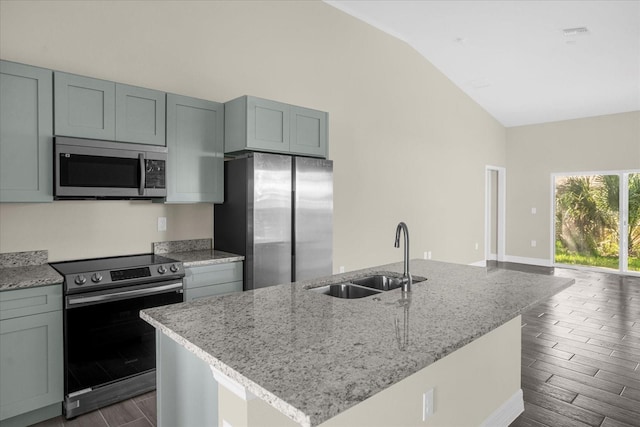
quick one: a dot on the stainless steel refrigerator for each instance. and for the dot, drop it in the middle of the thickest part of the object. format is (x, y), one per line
(278, 213)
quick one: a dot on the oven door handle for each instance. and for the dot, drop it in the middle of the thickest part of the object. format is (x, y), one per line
(79, 300)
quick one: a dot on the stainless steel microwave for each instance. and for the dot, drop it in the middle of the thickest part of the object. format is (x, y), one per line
(93, 169)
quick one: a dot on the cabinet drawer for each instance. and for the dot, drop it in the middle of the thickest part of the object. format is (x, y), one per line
(213, 275)
(208, 291)
(25, 302)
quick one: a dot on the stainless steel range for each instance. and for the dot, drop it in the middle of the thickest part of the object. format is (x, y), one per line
(109, 351)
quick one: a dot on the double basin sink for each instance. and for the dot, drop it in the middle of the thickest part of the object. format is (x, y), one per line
(365, 286)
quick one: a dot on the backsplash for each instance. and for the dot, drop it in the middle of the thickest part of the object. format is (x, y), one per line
(23, 259)
(182, 246)
(71, 230)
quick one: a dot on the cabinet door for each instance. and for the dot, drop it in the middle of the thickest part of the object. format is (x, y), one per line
(195, 135)
(84, 107)
(26, 133)
(308, 132)
(140, 115)
(267, 125)
(30, 363)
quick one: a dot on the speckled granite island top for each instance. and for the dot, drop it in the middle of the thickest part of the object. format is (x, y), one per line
(312, 356)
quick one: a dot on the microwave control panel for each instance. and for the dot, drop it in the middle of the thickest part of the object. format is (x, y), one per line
(155, 173)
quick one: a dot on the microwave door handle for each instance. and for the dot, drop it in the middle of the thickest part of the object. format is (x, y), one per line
(143, 177)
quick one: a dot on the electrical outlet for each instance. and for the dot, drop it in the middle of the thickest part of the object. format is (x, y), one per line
(533, 243)
(162, 223)
(429, 255)
(534, 211)
(476, 246)
(427, 404)
(426, 254)
(342, 269)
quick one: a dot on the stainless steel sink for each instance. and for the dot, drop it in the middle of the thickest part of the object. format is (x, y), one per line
(345, 290)
(384, 282)
(365, 286)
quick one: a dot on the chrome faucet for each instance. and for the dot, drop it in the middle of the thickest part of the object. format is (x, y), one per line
(406, 277)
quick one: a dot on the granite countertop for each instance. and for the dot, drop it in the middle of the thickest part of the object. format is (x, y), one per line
(20, 270)
(194, 253)
(312, 356)
(203, 257)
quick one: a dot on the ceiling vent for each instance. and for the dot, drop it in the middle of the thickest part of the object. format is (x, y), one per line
(578, 31)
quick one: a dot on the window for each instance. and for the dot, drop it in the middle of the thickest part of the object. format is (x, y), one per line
(597, 220)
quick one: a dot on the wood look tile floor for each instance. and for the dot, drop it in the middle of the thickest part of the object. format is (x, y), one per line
(580, 359)
(139, 411)
(581, 353)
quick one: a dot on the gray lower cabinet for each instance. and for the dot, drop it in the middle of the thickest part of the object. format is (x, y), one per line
(195, 140)
(26, 133)
(31, 360)
(256, 124)
(210, 280)
(99, 109)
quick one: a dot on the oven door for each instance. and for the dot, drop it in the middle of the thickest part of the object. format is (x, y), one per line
(109, 350)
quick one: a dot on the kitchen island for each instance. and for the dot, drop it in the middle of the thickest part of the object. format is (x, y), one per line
(285, 354)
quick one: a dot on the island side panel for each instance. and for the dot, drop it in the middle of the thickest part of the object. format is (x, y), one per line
(187, 394)
(471, 387)
(477, 385)
(236, 411)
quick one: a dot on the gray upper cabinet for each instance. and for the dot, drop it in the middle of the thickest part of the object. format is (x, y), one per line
(98, 109)
(140, 115)
(256, 124)
(26, 133)
(195, 140)
(84, 107)
(308, 132)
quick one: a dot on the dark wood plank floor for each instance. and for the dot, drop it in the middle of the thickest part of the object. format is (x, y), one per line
(581, 354)
(580, 357)
(137, 412)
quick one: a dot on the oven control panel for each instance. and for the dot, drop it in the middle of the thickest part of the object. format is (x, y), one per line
(83, 282)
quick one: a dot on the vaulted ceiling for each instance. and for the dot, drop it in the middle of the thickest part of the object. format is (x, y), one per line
(523, 61)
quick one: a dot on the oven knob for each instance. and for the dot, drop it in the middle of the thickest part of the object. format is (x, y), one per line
(80, 279)
(174, 268)
(96, 277)
(162, 269)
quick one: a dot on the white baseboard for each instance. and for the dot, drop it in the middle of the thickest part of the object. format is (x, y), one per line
(482, 263)
(531, 261)
(507, 412)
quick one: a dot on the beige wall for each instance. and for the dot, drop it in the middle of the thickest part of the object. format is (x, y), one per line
(535, 152)
(407, 144)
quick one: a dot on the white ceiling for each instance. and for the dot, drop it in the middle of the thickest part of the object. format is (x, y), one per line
(513, 58)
